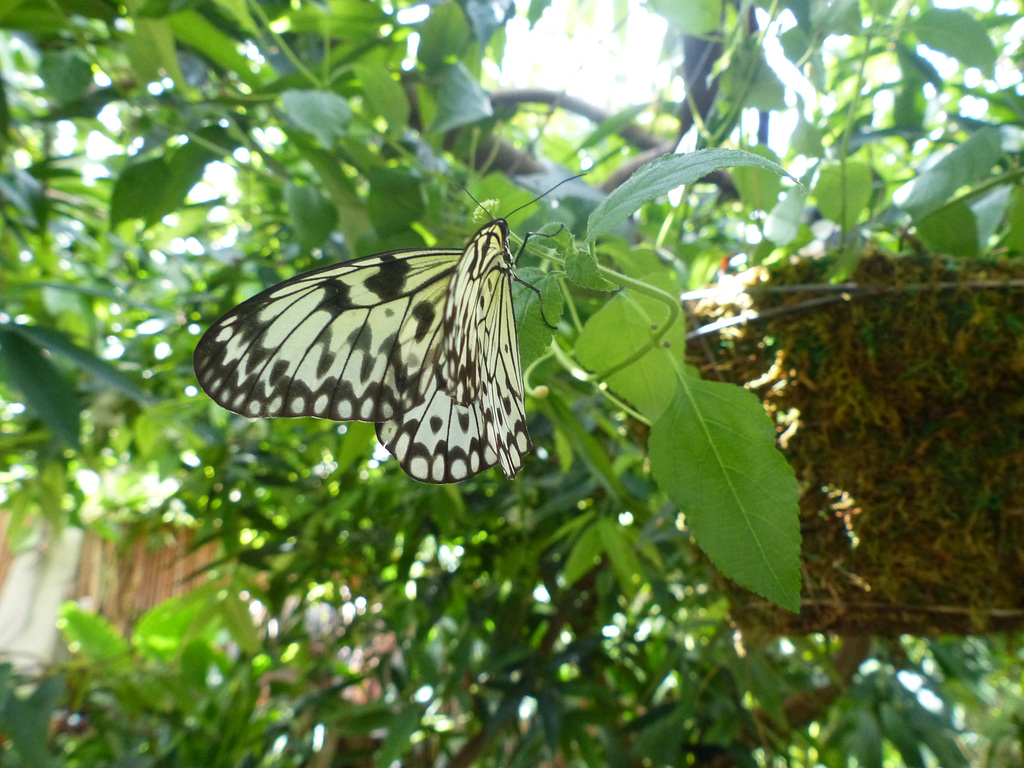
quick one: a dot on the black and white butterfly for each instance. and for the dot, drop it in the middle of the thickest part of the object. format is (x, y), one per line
(421, 342)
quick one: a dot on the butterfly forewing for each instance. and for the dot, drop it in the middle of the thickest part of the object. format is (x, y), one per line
(421, 342)
(347, 342)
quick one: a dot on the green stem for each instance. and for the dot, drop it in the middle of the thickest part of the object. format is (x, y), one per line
(285, 48)
(672, 303)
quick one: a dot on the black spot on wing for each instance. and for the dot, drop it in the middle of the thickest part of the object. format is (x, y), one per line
(390, 279)
(361, 339)
(424, 314)
(336, 299)
(325, 341)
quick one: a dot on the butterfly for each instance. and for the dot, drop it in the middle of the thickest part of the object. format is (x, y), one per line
(421, 342)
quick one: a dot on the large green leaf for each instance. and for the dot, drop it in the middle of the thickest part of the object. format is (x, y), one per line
(67, 74)
(713, 452)
(312, 214)
(151, 189)
(956, 33)
(193, 29)
(621, 327)
(843, 193)
(662, 176)
(968, 163)
(385, 95)
(45, 391)
(581, 265)
(443, 36)
(25, 721)
(91, 636)
(459, 97)
(324, 114)
(58, 344)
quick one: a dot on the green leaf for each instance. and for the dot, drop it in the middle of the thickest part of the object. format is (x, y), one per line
(958, 34)
(487, 17)
(324, 114)
(398, 741)
(662, 176)
(91, 635)
(837, 17)
(460, 99)
(691, 17)
(312, 214)
(896, 728)
(396, 199)
(757, 187)
(1015, 219)
(139, 192)
(194, 30)
(619, 328)
(970, 162)
(584, 555)
(151, 189)
(164, 628)
(235, 613)
(162, 424)
(151, 51)
(531, 311)
(620, 545)
(952, 229)
(26, 722)
(713, 452)
(25, 368)
(239, 11)
(990, 210)
(843, 194)
(67, 74)
(658, 742)
(384, 95)
(60, 345)
(783, 223)
(51, 20)
(581, 267)
(443, 36)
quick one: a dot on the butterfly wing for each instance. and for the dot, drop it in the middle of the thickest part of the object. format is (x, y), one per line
(465, 312)
(439, 441)
(346, 342)
(502, 401)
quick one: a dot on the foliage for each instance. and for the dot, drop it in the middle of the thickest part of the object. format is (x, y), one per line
(161, 163)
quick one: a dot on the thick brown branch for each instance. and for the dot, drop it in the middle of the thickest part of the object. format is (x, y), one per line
(633, 134)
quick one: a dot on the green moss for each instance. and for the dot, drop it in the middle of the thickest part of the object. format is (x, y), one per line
(910, 393)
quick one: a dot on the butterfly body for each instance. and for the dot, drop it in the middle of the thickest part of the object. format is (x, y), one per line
(421, 342)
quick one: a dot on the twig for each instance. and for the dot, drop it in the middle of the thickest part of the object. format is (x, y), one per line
(839, 292)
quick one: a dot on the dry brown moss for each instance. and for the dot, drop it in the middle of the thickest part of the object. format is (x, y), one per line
(909, 439)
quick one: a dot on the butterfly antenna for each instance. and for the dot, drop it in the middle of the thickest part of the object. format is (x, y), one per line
(545, 194)
(479, 204)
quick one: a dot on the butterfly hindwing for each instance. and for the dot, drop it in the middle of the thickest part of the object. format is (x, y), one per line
(487, 256)
(503, 403)
(439, 441)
